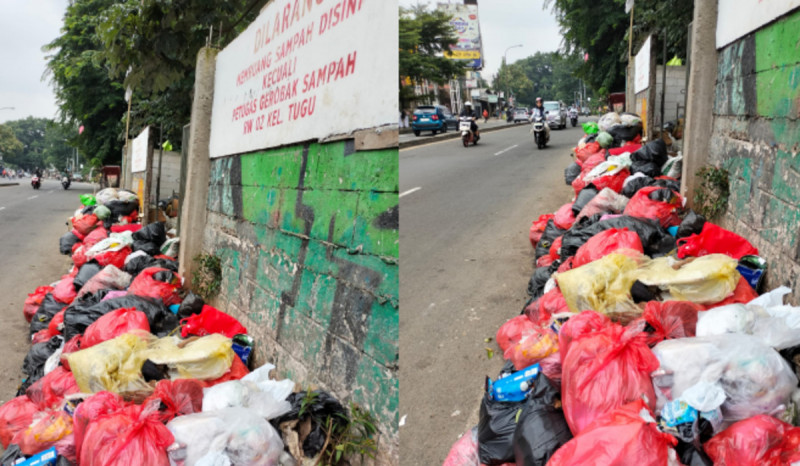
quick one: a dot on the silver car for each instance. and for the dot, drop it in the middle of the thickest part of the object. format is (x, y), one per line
(556, 114)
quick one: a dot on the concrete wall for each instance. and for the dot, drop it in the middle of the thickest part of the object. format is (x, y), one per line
(674, 95)
(171, 178)
(308, 235)
(756, 137)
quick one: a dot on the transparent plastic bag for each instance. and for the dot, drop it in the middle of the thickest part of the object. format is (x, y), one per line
(113, 365)
(606, 201)
(237, 433)
(255, 391)
(110, 278)
(205, 358)
(705, 280)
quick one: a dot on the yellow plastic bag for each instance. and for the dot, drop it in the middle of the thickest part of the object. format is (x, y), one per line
(114, 365)
(603, 285)
(205, 358)
(704, 280)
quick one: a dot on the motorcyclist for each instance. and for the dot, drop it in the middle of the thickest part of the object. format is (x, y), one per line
(469, 112)
(538, 110)
(38, 172)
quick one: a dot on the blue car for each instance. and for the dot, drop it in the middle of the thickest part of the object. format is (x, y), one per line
(434, 118)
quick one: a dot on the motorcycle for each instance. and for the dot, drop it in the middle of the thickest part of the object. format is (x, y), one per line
(35, 182)
(539, 132)
(65, 182)
(573, 118)
(467, 136)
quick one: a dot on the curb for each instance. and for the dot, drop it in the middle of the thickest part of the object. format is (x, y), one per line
(8, 184)
(452, 135)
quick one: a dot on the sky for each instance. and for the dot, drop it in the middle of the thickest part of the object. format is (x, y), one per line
(505, 23)
(25, 26)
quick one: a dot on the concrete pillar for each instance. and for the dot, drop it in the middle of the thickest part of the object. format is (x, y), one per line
(193, 203)
(700, 94)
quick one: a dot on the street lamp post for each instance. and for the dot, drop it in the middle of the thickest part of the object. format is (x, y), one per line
(508, 85)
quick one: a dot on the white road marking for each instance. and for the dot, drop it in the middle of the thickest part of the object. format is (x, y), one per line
(33, 197)
(506, 149)
(412, 190)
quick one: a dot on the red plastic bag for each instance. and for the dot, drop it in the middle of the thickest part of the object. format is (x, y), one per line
(642, 206)
(537, 228)
(758, 441)
(131, 435)
(58, 319)
(79, 256)
(551, 368)
(41, 336)
(50, 390)
(541, 310)
(606, 242)
(714, 239)
(564, 217)
(177, 397)
(535, 344)
(627, 435)
(544, 261)
(115, 258)
(97, 235)
(85, 224)
(568, 264)
(49, 428)
(630, 147)
(92, 408)
(145, 285)
(34, 300)
(577, 326)
(587, 151)
(114, 324)
(72, 345)
(236, 372)
(510, 332)
(15, 416)
(615, 181)
(211, 320)
(604, 370)
(132, 227)
(64, 291)
(464, 451)
(670, 319)
(554, 254)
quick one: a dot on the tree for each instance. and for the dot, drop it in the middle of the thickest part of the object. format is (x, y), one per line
(424, 38)
(43, 143)
(9, 144)
(549, 75)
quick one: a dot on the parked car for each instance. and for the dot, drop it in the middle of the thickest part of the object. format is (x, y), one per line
(77, 177)
(557, 114)
(520, 114)
(435, 118)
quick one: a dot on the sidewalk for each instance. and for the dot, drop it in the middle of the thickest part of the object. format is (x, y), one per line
(407, 139)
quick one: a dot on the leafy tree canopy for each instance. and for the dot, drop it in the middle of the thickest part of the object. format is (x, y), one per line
(9, 144)
(549, 75)
(42, 143)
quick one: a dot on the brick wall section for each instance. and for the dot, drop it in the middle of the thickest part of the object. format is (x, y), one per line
(308, 235)
(756, 137)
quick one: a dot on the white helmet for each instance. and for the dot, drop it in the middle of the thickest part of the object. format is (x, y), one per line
(468, 103)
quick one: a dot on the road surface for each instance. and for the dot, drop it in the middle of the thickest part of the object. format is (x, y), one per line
(466, 262)
(30, 224)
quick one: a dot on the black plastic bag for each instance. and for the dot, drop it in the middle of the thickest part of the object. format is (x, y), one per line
(541, 428)
(587, 194)
(66, 242)
(149, 247)
(656, 241)
(670, 184)
(634, 185)
(322, 407)
(622, 133)
(11, 455)
(33, 364)
(650, 169)
(692, 224)
(122, 208)
(661, 195)
(86, 272)
(84, 312)
(496, 430)
(154, 233)
(192, 304)
(49, 308)
(572, 171)
(539, 279)
(654, 151)
(143, 261)
(551, 232)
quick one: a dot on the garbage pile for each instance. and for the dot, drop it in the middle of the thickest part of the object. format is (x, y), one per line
(645, 341)
(126, 367)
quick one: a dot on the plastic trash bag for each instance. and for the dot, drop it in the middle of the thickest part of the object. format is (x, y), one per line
(540, 277)
(755, 378)
(564, 217)
(655, 239)
(692, 224)
(603, 285)
(97, 235)
(540, 310)
(654, 151)
(87, 309)
(634, 183)
(84, 225)
(535, 344)
(211, 320)
(541, 428)
(34, 301)
(551, 232)
(239, 435)
(590, 127)
(323, 407)
(191, 304)
(110, 278)
(49, 428)
(93, 407)
(604, 139)
(114, 324)
(177, 398)
(584, 196)
(510, 333)
(538, 227)
(34, 362)
(464, 451)
(50, 390)
(15, 416)
(498, 421)
(152, 233)
(649, 202)
(670, 320)
(758, 441)
(64, 291)
(714, 239)
(45, 313)
(146, 284)
(603, 371)
(85, 273)
(606, 242)
(255, 391)
(572, 171)
(12, 456)
(608, 120)
(587, 151)
(131, 435)
(627, 435)
(705, 280)
(66, 242)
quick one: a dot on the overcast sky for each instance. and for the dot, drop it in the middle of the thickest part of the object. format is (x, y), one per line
(25, 26)
(510, 22)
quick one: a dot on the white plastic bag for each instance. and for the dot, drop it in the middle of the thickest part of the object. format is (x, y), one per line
(608, 120)
(236, 433)
(106, 195)
(255, 391)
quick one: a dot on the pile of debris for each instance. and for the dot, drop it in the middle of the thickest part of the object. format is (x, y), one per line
(645, 341)
(127, 367)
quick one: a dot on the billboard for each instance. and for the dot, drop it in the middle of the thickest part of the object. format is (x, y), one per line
(732, 24)
(467, 29)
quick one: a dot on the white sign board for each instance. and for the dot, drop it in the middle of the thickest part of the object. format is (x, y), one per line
(139, 151)
(737, 18)
(642, 62)
(306, 69)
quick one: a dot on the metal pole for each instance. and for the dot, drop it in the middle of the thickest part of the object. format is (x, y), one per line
(663, 79)
(160, 158)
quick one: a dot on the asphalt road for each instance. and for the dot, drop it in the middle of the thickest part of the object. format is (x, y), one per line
(30, 224)
(466, 261)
